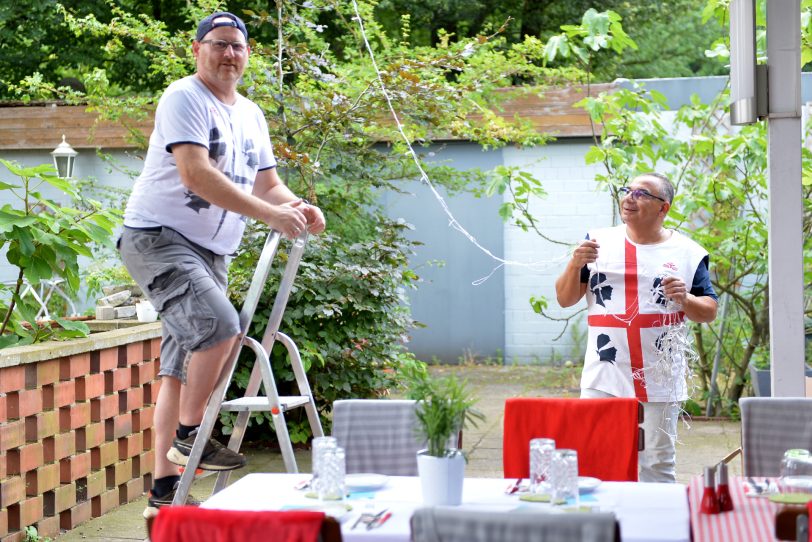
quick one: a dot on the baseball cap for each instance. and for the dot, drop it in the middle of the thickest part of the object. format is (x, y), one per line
(208, 24)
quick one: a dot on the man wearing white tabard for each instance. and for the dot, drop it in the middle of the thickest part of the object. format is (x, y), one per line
(635, 278)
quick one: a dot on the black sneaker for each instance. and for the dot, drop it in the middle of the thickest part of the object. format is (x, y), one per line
(154, 503)
(215, 455)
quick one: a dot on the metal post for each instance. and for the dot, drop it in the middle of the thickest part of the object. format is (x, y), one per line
(785, 198)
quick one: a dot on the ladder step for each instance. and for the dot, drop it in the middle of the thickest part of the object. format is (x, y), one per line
(259, 404)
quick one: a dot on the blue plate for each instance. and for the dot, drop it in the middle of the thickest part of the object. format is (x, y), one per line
(364, 481)
(587, 484)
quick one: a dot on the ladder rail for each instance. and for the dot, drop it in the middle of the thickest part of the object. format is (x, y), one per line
(241, 423)
(283, 294)
(263, 269)
(303, 384)
(252, 390)
(217, 396)
(263, 374)
(206, 426)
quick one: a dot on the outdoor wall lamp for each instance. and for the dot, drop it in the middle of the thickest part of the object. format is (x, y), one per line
(748, 82)
(64, 159)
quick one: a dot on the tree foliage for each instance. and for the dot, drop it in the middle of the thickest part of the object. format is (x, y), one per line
(672, 34)
(36, 37)
(337, 145)
(721, 177)
(43, 240)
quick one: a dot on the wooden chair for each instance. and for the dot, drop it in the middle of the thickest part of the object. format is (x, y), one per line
(444, 524)
(605, 433)
(194, 524)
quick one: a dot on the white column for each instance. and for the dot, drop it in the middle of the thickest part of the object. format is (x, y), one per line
(785, 198)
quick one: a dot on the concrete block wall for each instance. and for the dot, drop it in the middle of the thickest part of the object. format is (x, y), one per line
(76, 436)
(573, 206)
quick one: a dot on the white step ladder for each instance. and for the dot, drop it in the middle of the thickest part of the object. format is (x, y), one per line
(261, 374)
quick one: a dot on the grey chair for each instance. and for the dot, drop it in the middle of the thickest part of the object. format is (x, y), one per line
(771, 426)
(378, 435)
(460, 525)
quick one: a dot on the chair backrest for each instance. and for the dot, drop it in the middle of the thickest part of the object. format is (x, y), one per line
(771, 426)
(459, 525)
(604, 432)
(378, 435)
(194, 524)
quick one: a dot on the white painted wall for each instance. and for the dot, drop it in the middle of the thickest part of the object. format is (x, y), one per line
(572, 206)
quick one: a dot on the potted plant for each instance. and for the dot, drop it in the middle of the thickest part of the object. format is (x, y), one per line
(760, 374)
(445, 407)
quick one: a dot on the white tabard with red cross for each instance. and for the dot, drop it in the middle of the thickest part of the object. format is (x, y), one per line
(628, 315)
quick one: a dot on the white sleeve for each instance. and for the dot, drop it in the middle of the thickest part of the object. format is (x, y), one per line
(181, 117)
(266, 158)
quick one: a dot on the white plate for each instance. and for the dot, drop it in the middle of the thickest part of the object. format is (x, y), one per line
(587, 484)
(365, 481)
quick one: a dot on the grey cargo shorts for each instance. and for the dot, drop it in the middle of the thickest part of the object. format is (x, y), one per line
(187, 285)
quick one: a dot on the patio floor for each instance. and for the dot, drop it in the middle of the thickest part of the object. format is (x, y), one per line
(701, 443)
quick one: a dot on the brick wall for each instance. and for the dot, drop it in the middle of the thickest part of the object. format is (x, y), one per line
(573, 206)
(76, 430)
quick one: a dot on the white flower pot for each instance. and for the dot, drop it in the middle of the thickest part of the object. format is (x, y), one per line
(145, 311)
(441, 478)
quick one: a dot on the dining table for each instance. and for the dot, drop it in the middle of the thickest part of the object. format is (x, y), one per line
(645, 512)
(751, 520)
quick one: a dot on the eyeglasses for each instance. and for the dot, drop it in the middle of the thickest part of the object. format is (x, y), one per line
(636, 193)
(220, 46)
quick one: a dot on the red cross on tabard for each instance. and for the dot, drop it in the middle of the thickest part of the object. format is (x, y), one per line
(633, 320)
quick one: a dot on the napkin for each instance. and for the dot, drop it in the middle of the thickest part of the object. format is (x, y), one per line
(193, 524)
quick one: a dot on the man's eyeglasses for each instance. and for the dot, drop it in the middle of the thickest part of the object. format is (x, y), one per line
(220, 46)
(637, 193)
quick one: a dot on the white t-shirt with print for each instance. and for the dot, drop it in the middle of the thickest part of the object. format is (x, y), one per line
(237, 139)
(628, 316)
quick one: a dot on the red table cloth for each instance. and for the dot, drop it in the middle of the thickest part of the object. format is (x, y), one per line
(752, 518)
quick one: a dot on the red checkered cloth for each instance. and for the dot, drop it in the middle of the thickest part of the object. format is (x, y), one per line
(751, 520)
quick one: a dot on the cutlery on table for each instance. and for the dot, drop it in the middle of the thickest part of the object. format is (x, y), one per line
(374, 524)
(369, 518)
(514, 487)
(763, 488)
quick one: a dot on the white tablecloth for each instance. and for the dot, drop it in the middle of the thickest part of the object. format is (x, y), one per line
(646, 512)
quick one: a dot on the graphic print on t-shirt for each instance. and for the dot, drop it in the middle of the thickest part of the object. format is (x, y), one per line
(657, 293)
(251, 157)
(195, 202)
(217, 146)
(606, 352)
(599, 286)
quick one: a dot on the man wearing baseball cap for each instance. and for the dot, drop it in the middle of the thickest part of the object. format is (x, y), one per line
(209, 167)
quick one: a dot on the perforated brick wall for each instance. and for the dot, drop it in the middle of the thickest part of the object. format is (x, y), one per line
(76, 433)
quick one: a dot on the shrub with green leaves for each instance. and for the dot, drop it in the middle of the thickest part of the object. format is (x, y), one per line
(43, 240)
(347, 313)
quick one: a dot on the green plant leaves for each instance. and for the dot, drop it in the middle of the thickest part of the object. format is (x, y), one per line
(445, 407)
(43, 240)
